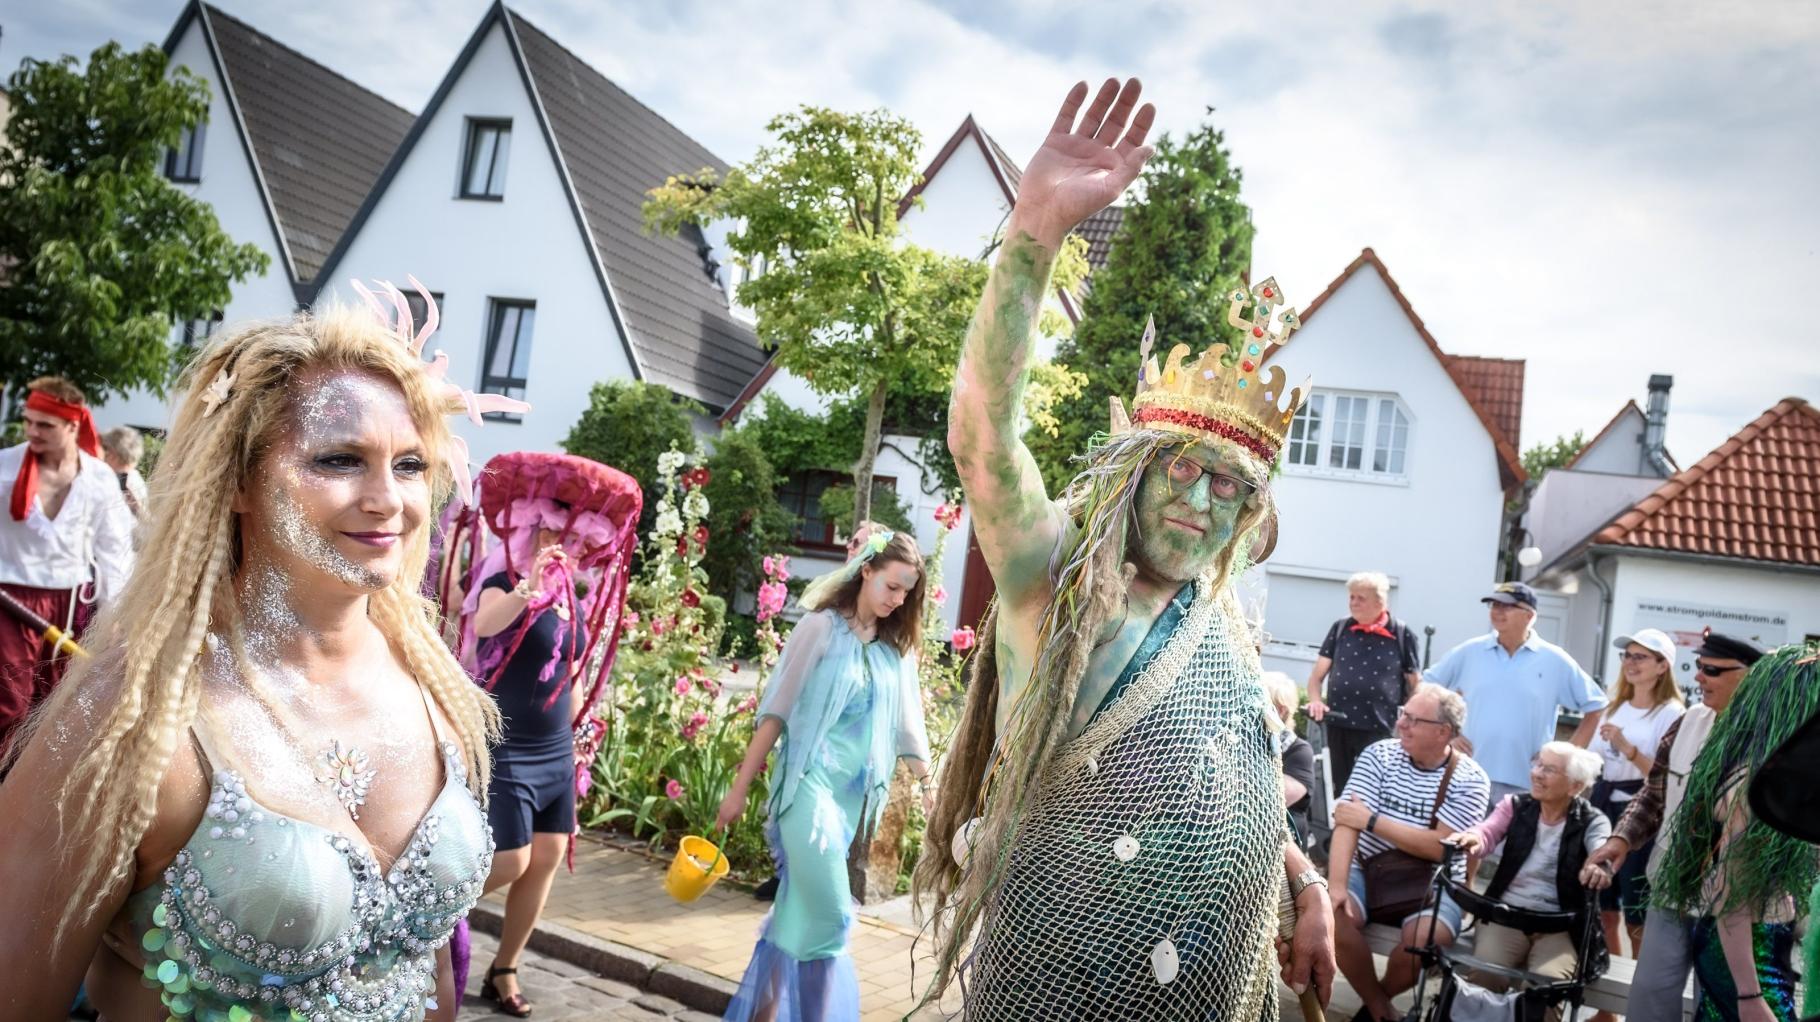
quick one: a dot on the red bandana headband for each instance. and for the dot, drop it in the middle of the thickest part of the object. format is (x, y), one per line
(25, 487)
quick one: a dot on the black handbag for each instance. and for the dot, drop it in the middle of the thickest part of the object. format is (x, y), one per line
(1398, 884)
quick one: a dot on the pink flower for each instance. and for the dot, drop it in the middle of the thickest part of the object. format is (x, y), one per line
(683, 685)
(771, 599)
(632, 617)
(770, 565)
(783, 569)
(747, 705)
(963, 639)
(949, 515)
(691, 598)
(673, 789)
(939, 596)
(694, 726)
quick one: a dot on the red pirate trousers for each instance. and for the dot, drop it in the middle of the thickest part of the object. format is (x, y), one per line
(28, 669)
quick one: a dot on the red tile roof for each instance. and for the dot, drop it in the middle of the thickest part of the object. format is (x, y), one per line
(1498, 383)
(1503, 376)
(1756, 497)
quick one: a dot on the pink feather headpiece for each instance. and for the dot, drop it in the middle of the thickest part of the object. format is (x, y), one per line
(399, 324)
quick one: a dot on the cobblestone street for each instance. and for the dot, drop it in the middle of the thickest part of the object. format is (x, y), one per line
(560, 992)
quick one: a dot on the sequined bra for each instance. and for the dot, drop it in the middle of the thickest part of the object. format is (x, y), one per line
(262, 916)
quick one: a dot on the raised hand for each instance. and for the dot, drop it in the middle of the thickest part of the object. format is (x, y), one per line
(1087, 161)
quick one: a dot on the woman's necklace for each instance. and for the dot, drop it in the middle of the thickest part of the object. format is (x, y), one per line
(348, 775)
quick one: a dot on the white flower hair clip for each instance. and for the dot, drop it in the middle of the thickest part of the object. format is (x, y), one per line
(217, 392)
(399, 322)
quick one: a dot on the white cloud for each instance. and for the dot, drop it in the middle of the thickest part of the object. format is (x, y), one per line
(1605, 190)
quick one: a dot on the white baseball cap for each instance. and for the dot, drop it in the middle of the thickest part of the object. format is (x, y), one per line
(1653, 639)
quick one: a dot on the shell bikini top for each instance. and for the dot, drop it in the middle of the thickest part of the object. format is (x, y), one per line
(264, 916)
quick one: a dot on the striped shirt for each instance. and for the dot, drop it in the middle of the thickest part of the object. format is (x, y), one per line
(1391, 785)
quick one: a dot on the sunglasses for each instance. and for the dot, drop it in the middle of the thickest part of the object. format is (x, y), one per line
(1715, 671)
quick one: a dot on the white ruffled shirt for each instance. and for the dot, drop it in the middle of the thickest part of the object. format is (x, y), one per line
(94, 526)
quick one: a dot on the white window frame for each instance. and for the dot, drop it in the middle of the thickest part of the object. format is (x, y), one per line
(1321, 469)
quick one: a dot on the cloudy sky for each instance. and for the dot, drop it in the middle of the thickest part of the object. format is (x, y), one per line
(1607, 190)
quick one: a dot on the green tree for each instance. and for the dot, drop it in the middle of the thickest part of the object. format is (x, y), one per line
(745, 519)
(849, 306)
(1542, 457)
(1182, 246)
(102, 253)
(627, 425)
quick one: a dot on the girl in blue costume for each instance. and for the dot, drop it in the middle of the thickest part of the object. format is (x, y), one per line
(261, 797)
(845, 703)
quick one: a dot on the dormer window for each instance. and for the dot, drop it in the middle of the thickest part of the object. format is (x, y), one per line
(483, 166)
(183, 163)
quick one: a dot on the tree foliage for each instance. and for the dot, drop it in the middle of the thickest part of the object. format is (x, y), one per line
(849, 306)
(1542, 457)
(628, 424)
(745, 520)
(101, 253)
(1181, 247)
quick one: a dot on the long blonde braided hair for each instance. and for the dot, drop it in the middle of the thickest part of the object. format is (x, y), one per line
(149, 645)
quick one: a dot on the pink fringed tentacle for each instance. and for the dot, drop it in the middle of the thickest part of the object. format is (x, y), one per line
(432, 316)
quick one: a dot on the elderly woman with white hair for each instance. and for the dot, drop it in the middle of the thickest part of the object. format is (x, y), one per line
(1547, 835)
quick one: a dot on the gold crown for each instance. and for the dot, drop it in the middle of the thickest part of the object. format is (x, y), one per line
(1208, 399)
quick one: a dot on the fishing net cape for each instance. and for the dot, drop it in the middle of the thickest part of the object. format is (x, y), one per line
(1143, 882)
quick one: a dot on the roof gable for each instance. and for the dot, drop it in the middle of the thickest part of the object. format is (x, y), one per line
(318, 141)
(1485, 383)
(1630, 408)
(1755, 497)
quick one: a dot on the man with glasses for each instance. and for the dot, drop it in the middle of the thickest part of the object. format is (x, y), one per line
(1405, 796)
(1516, 682)
(1662, 966)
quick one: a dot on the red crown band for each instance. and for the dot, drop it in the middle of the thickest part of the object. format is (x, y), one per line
(1207, 424)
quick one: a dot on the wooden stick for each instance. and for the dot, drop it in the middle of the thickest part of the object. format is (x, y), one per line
(58, 639)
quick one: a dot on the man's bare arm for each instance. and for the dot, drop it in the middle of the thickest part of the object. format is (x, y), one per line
(1081, 168)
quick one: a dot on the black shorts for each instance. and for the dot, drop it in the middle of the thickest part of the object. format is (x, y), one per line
(531, 792)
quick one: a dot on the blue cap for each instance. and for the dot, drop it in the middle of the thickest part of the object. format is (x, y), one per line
(1512, 594)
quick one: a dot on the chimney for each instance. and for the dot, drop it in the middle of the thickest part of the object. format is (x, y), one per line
(1655, 426)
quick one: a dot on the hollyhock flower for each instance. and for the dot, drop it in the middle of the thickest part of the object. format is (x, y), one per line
(733, 666)
(658, 625)
(691, 598)
(771, 599)
(673, 789)
(747, 705)
(963, 639)
(770, 564)
(694, 726)
(632, 617)
(783, 569)
(670, 461)
(949, 515)
(696, 477)
(683, 685)
(669, 523)
(701, 536)
(939, 596)
(682, 546)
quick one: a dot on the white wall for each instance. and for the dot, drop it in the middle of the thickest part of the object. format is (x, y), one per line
(1620, 450)
(1570, 504)
(227, 185)
(527, 246)
(1436, 534)
(1769, 605)
(963, 205)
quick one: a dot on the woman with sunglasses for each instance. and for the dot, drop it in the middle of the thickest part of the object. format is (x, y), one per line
(1646, 703)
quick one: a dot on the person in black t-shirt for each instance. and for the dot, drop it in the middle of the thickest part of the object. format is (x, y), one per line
(1370, 665)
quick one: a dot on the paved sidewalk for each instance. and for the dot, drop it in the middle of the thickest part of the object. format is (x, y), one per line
(616, 894)
(560, 992)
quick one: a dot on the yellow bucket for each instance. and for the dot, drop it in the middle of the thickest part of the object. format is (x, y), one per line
(697, 865)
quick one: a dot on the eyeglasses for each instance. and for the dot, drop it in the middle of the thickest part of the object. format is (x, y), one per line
(1184, 472)
(1536, 766)
(1404, 716)
(1714, 670)
(1636, 658)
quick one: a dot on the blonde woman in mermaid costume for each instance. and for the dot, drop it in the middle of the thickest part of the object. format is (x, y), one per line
(845, 703)
(1111, 798)
(261, 797)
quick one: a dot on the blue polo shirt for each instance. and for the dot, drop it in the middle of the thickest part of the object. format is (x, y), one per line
(1512, 701)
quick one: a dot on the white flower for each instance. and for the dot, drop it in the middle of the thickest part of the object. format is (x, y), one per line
(695, 505)
(670, 462)
(669, 523)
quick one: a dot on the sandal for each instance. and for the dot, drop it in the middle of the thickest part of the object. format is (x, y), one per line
(515, 1005)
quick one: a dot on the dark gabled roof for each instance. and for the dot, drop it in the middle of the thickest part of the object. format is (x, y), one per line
(1756, 497)
(319, 141)
(616, 150)
(1099, 230)
(610, 150)
(1510, 463)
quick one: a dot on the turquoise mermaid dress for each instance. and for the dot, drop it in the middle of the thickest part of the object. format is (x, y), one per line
(850, 710)
(262, 916)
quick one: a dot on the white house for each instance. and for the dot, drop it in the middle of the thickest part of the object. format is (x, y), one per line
(1731, 543)
(516, 200)
(966, 194)
(1400, 461)
(287, 153)
(1617, 467)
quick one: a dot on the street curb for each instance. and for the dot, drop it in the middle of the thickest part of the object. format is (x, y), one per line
(695, 989)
